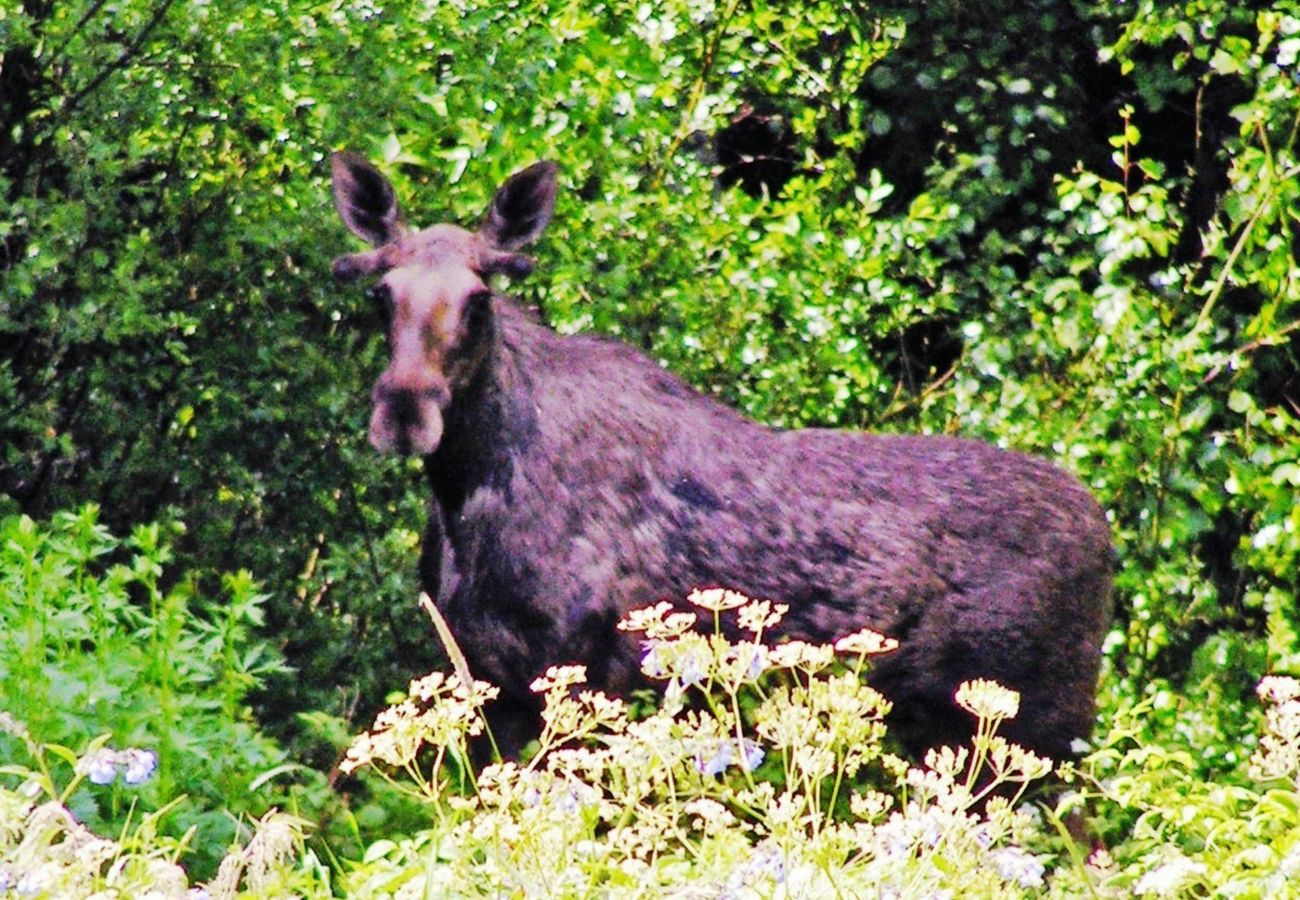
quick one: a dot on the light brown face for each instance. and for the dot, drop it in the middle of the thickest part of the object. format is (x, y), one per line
(432, 288)
(431, 297)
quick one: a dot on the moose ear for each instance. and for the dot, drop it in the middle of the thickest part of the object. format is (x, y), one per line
(521, 208)
(365, 199)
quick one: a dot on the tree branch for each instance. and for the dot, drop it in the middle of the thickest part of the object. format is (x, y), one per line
(125, 57)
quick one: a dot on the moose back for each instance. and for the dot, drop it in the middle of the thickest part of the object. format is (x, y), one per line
(574, 480)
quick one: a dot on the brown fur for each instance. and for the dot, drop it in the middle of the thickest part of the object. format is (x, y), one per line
(575, 480)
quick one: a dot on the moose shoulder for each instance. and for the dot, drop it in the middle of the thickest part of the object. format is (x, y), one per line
(575, 480)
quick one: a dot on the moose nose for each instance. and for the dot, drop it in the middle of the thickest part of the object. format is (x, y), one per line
(407, 418)
(403, 407)
(404, 402)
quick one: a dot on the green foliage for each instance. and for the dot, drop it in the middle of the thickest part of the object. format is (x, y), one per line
(1184, 837)
(45, 851)
(956, 222)
(762, 773)
(93, 643)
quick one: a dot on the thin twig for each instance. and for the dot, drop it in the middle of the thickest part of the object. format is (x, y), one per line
(458, 661)
(929, 389)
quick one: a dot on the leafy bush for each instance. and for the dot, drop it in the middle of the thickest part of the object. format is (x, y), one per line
(1067, 227)
(1185, 837)
(45, 851)
(1060, 226)
(97, 639)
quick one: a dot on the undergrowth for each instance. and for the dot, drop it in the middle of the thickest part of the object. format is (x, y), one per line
(761, 772)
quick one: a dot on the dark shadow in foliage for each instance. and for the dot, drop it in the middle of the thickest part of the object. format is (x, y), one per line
(923, 351)
(756, 151)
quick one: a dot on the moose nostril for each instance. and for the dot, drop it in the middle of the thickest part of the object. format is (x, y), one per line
(404, 404)
(403, 408)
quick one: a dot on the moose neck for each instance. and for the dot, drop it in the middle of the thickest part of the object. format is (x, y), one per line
(488, 421)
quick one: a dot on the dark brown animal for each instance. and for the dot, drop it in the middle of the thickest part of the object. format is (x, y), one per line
(574, 480)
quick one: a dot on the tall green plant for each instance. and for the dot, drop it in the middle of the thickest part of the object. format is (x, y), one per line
(98, 642)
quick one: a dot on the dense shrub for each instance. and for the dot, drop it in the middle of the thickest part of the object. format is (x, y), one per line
(98, 650)
(1063, 226)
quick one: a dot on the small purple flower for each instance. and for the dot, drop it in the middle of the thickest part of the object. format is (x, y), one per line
(693, 670)
(100, 766)
(33, 882)
(569, 801)
(1014, 864)
(652, 663)
(766, 863)
(712, 760)
(717, 761)
(140, 764)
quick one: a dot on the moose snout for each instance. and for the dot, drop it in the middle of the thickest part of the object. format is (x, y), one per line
(407, 416)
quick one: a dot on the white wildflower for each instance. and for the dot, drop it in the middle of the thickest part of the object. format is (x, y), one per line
(866, 642)
(717, 599)
(758, 615)
(1168, 878)
(988, 699)
(1278, 688)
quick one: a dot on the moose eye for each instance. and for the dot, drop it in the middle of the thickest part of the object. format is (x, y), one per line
(382, 297)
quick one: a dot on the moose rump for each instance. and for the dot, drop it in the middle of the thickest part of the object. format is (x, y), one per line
(574, 480)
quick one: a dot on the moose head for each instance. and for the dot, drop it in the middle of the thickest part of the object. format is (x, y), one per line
(433, 290)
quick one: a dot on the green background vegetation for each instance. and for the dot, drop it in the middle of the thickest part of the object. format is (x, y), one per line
(1066, 227)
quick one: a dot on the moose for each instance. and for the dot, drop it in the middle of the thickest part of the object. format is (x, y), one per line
(574, 480)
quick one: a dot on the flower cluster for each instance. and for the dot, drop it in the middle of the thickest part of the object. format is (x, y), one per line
(988, 700)
(102, 765)
(45, 851)
(440, 710)
(742, 777)
(1278, 756)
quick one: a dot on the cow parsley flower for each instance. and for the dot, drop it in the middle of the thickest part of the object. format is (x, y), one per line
(717, 599)
(559, 678)
(866, 642)
(802, 655)
(659, 621)
(1278, 688)
(988, 699)
(758, 615)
